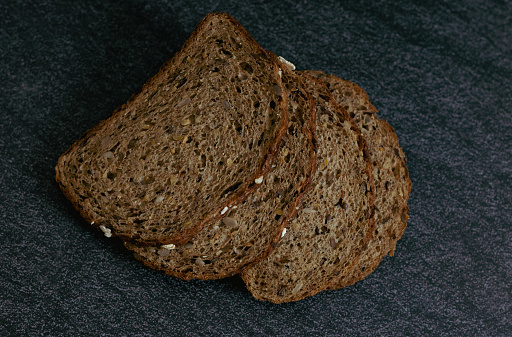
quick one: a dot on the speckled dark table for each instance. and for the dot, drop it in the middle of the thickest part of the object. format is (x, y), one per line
(439, 72)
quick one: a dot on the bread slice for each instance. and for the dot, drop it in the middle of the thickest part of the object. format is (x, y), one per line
(390, 173)
(249, 231)
(323, 243)
(197, 140)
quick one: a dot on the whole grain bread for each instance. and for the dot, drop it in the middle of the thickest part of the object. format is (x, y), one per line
(197, 140)
(249, 231)
(324, 242)
(391, 176)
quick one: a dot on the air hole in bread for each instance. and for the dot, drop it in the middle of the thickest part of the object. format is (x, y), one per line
(181, 83)
(325, 98)
(132, 143)
(246, 67)
(232, 188)
(238, 127)
(225, 52)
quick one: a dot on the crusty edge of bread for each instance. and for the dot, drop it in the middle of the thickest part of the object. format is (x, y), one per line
(265, 166)
(355, 86)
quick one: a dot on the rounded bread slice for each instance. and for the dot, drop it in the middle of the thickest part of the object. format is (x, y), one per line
(390, 173)
(324, 242)
(248, 232)
(197, 140)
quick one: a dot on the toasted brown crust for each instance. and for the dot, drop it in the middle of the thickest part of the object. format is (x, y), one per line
(171, 263)
(184, 235)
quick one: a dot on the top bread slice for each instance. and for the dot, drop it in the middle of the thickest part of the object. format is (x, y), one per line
(391, 176)
(325, 240)
(197, 140)
(248, 232)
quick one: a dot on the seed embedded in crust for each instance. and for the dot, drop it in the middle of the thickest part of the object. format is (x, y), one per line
(106, 231)
(284, 232)
(288, 64)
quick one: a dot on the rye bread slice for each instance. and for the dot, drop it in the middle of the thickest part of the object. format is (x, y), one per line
(248, 232)
(390, 173)
(196, 141)
(324, 242)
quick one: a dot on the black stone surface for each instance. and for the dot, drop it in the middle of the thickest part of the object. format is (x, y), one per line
(439, 71)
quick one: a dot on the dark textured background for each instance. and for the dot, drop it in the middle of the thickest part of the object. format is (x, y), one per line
(439, 71)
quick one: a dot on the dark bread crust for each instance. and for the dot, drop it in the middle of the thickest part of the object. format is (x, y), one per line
(392, 190)
(182, 235)
(204, 257)
(284, 276)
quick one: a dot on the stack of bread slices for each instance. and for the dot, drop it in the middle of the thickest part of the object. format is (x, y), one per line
(228, 161)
